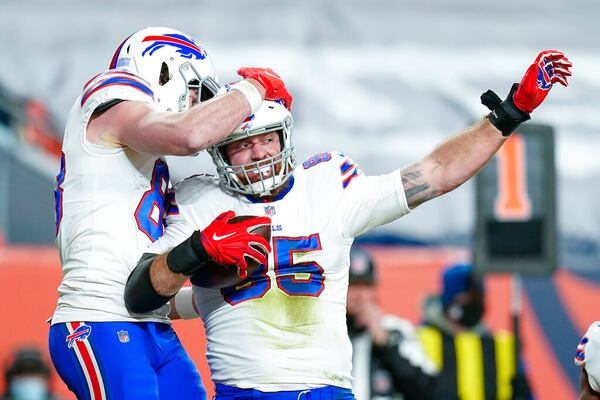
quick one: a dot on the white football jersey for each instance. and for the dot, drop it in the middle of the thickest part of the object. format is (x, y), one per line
(284, 328)
(109, 207)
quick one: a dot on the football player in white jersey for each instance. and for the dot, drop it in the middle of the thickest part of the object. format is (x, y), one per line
(588, 358)
(156, 98)
(281, 333)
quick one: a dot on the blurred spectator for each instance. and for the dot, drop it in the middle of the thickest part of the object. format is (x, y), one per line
(388, 359)
(28, 377)
(31, 121)
(473, 363)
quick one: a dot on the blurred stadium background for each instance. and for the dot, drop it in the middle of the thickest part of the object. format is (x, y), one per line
(381, 80)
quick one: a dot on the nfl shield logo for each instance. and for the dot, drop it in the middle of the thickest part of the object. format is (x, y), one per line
(270, 211)
(123, 336)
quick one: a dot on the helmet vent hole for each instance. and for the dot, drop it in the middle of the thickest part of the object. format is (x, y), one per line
(164, 75)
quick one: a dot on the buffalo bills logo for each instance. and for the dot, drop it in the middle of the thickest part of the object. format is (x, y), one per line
(545, 74)
(248, 122)
(80, 334)
(186, 46)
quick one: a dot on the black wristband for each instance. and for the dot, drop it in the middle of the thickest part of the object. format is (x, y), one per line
(505, 115)
(189, 256)
(140, 295)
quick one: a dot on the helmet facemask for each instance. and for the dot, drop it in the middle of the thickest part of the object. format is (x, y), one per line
(206, 86)
(272, 172)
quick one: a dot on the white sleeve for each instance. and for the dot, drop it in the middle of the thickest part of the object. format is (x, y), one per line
(114, 85)
(371, 201)
(177, 231)
(588, 355)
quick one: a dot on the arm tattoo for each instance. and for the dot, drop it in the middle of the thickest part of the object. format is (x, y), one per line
(417, 187)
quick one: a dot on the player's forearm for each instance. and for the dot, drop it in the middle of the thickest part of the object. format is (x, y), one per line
(187, 133)
(452, 163)
(165, 282)
(212, 121)
(461, 156)
(140, 294)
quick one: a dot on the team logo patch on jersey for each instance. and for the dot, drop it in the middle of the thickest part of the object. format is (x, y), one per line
(80, 334)
(270, 211)
(123, 336)
(186, 46)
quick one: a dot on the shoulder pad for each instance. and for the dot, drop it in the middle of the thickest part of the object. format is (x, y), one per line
(337, 164)
(189, 189)
(116, 84)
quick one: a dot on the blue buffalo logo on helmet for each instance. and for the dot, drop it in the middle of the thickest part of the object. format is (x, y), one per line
(79, 334)
(186, 46)
(545, 74)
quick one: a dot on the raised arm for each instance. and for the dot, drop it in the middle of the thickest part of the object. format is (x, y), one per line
(452, 163)
(460, 157)
(138, 126)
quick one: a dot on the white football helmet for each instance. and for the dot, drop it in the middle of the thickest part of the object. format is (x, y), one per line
(171, 62)
(271, 116)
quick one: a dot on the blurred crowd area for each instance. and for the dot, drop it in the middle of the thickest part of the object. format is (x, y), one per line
(383, 81)
(30, 121)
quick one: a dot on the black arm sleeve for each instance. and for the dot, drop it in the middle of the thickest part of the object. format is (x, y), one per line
(409, 379)
(189, 256)
(140, 295)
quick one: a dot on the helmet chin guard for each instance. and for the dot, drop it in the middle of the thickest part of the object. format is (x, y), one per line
(272, 172)
(172, 63)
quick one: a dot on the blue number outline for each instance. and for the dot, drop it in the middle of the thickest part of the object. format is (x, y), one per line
(234, 294)
(58, 192)
(287, 280)
(158, 197)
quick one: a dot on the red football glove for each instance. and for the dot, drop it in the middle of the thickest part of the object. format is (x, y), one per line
(230, 243)
(273, 84)
(549, 67)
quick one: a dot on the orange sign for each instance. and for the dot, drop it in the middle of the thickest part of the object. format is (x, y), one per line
(513, 202)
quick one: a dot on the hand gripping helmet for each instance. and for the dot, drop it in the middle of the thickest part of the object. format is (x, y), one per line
(171, 62)
(271, 116)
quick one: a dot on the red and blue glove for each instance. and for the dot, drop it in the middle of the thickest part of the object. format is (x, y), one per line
(273, 84)
(224, 242)
(229, 242)
(549, 67)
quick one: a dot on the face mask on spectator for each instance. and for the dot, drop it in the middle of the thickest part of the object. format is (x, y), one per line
(28, 388)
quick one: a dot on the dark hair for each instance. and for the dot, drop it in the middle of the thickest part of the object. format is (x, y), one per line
(362, 268)
(459, 278)
(27, 361)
